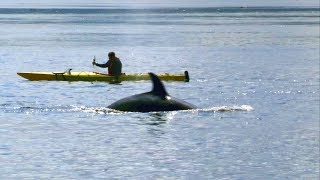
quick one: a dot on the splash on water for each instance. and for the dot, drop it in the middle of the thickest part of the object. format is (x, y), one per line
(229, 108)
(105, 110)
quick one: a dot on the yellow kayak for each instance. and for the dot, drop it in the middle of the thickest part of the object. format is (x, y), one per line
(95, 76)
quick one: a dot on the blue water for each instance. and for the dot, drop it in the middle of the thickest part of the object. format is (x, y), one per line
(254, 76)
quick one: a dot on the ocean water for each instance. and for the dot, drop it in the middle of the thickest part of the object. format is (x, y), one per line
(254, 76)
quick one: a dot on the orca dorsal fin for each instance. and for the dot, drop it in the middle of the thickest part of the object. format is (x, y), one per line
(158, 87)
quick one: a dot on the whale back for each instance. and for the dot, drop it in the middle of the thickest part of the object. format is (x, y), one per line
(156, 100)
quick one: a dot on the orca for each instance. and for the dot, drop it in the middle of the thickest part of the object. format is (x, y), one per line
(156, 100)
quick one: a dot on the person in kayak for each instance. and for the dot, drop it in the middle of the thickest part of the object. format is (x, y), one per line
(114, 64)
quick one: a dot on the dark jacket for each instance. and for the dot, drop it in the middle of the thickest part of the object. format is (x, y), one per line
(114, 66)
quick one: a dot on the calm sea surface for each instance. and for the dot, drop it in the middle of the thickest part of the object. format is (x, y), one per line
(254, 76)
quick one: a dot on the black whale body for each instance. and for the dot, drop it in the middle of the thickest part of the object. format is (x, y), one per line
(156, 100)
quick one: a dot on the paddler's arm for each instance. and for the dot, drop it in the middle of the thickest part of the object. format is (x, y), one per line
(100, 65)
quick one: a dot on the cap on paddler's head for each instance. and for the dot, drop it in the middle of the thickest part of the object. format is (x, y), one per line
(111, 54)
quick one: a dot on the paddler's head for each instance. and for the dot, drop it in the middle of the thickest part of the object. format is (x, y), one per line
(111, 55)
